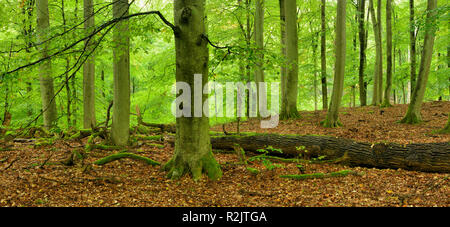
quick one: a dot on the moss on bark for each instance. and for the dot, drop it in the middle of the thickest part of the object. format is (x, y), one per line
(118, 156)
(341, 173)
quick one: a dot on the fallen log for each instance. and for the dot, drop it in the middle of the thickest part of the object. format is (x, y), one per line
(428, 157)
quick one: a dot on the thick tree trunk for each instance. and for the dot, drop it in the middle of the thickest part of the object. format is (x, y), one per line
(192, 147)
(323, 57)
(387, 91)
(89, 69)
(120, 128)
(291, 93)
(339, 67)
(434, 157)
(45, 69)
(413, 114)
(362, 53)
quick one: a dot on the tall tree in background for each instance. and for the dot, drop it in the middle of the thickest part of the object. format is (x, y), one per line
(193, 152)
(259, 42)
(339, 67)
(387, 91)
(412, 45)
(362, 52)
(413, 114)
(45, 69)
(291, 93)
(323, 56)
(89, 69)
(378, 70)
(283, 53)
(120, 129)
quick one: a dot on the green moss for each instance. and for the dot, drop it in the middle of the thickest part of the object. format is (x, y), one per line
(118, 156)
(321, 175)
(253, 170)
(160, 146)
(207, 164)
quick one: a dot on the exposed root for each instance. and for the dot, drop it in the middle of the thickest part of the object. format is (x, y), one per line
(118, 156)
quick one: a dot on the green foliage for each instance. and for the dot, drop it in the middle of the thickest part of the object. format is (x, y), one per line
(153, 56)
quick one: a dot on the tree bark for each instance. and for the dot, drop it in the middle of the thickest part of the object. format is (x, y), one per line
(433, 157)
(323, 57)
(89, 69)
(362, 53)
(45, 69)
(259, 43)
(283, 53)
(192, 146)
(412, 45)
(387, 91)
(120, 128)
(291, 93)
(413, 114)
(339, 67)
(378, 71)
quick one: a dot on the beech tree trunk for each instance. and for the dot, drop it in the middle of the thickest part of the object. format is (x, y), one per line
(323, 56)
(387, 91)
(192, 146)
(413, 114)
(89, 69)
(362, 53)
(259, 42)
(339, 67)
(290, 107)
(412, 45)
(433, 157)
(378, 71)
(45, 69)
(120, 129)
(283, 53)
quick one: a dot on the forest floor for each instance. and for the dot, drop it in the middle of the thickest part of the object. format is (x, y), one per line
(32, 176)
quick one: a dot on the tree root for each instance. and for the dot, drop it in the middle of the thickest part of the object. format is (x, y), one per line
(341, 173)
(118, 156)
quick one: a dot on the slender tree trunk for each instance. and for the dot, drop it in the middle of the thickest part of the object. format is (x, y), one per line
(27, 12)
(45, 69)
(89, 69)
(314, 46)
(412, 45)
(380, 47)
(248, 36)
(339, 67)
(74, 81)
(362, 53)
(283, 53)
(259, 42)
(66, 75)
(193, 146)
(413, 115)
(387, 92)
(120, 129)
(378, 71)
(323, 57)
(290, 110)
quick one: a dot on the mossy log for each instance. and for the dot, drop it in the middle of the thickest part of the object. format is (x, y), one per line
(428, 157)
(341, 173)
(118, 156)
